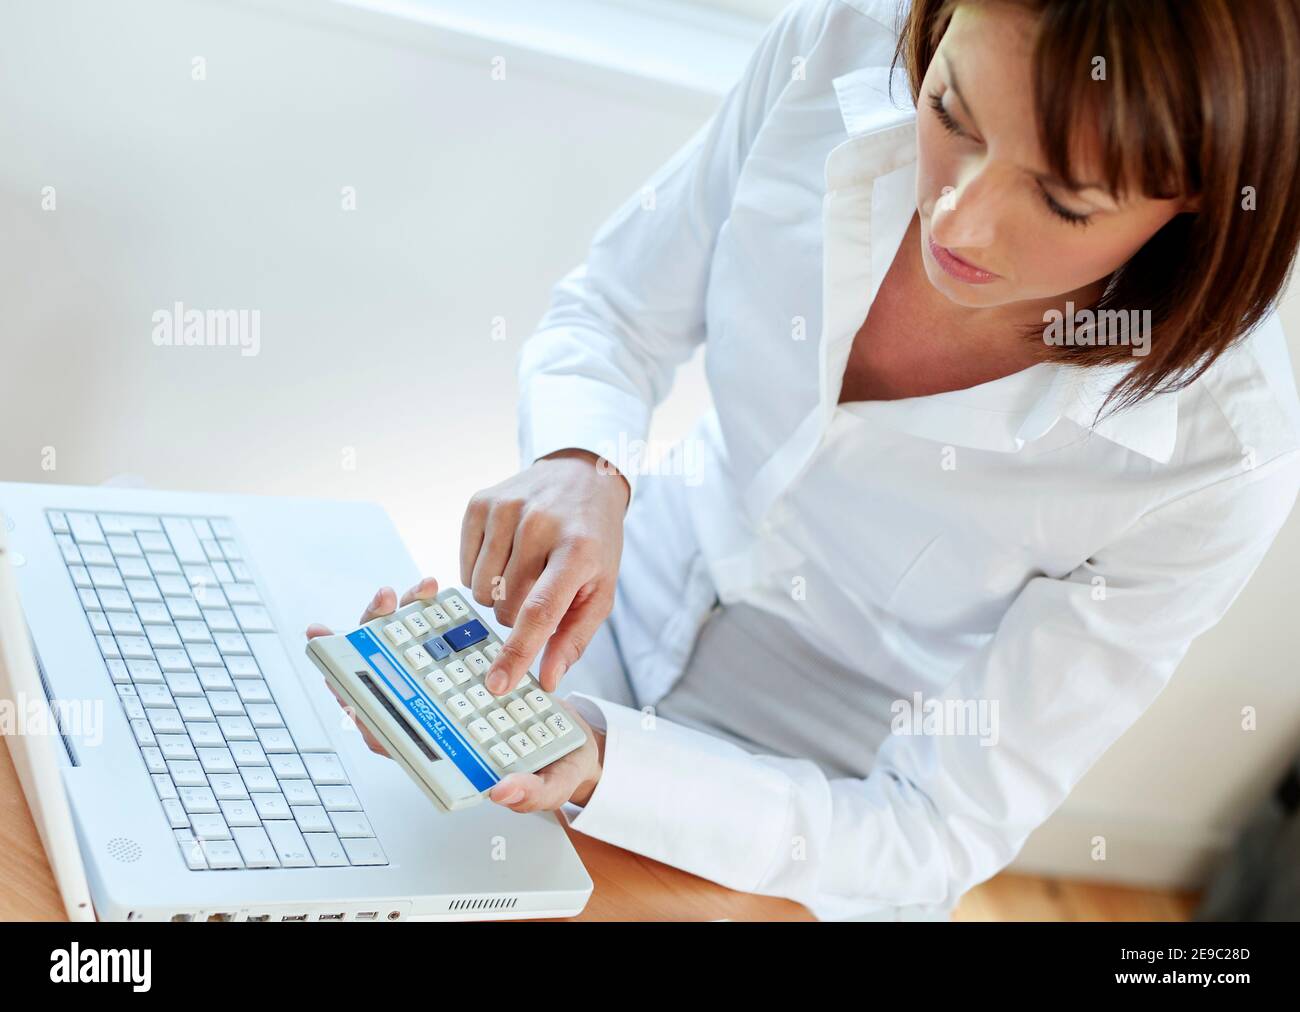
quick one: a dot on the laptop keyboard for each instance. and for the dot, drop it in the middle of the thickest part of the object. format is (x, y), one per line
(177, 615)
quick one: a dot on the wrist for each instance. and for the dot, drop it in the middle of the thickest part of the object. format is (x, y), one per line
(602, 465)
(585, 790)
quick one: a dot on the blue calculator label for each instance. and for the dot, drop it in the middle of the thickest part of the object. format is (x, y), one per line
(452, 745)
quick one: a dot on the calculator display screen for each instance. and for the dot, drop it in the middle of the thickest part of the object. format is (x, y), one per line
(400, 685)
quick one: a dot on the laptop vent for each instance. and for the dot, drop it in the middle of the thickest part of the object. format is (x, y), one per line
(124, 849)
(485, 903)
(52, 703)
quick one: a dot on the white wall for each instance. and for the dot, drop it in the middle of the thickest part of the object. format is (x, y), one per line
(473, 196)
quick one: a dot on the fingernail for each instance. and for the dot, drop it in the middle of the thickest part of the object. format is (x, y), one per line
(496, 682)
(516, 796)
(374, 601)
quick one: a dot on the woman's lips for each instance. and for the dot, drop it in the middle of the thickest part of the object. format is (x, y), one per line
(959, 268)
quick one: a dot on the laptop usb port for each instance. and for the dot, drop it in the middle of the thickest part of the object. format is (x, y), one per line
(368, 915)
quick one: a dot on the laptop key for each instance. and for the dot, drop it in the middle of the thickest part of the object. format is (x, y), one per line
(210, 827)
(175, 746)
(290, 847)
(175, 812)
(364, 851)
(348, 824)
(272, 806)
(198, 799)
(326, 849)
(256, 847)
(339, 799)
(221, 854)
(228, 787)
(312, 819)
(240, 813)
(325, 768)
(191, 850)
(299, 792)
(217, 760)
(248, 753)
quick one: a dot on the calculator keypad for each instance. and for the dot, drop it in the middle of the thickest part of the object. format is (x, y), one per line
(448, 651)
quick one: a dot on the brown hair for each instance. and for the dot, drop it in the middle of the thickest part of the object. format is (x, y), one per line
(1202, 97)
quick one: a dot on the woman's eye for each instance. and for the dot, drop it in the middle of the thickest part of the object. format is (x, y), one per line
(1064, 213)
(948, 123)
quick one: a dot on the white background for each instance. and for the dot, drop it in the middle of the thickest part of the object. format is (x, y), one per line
(473, 197)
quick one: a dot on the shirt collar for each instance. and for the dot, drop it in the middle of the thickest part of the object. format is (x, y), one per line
(874, 107)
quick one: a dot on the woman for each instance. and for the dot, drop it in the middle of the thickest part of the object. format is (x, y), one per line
(1002, 420)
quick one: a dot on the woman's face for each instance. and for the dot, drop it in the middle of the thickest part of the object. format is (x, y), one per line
(996, 228)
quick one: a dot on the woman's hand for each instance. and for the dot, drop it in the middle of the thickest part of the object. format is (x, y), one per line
(542, 549)
(571, 777)
(383, 603)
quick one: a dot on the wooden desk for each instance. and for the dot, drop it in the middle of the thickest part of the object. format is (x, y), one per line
(628, 887)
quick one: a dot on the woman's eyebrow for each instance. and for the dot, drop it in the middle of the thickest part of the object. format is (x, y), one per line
(1051, 180)
(1042, 177)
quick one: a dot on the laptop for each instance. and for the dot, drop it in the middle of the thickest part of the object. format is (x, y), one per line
(194, 765)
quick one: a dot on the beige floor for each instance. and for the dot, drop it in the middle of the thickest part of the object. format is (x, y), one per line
(1011, 897)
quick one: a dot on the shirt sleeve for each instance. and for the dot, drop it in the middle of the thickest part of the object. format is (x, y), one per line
(618, 325)
(1074, 662)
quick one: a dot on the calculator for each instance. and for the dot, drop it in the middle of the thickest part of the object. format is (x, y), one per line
(415, 680)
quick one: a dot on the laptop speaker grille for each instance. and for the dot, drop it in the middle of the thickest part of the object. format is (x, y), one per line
(124, 849)
(485, 903)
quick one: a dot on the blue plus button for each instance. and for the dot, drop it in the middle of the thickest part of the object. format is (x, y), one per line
(465, 636)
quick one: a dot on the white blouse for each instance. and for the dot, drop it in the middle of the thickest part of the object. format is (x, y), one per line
(987, 547)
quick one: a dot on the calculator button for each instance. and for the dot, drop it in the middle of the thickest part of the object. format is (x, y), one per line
(465, 636)
(559, 724)
(480, 696)
(457, 672)
(418, 657)
(460, 706)
(501, 720)
(481, 729)
(520, 710)
(397, 633)
(538, 700)
(492, 649)
(437, 682)
(438, 648)
(503, 754)
(522, 743)
(453, 605)
(477, 663)
(540, 735)
(436, 616)
(418, 624)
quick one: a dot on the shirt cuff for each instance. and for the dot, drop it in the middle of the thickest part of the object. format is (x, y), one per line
(564, 412)
(683, 797)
